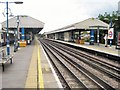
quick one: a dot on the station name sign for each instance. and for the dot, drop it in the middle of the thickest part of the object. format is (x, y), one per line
(111, 33)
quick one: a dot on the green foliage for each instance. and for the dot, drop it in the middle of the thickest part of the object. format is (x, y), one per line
(108, 17)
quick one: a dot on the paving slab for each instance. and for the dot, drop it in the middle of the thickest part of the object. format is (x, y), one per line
(15, 74)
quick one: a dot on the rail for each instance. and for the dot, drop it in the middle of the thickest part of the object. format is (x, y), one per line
(100, 80)
(74, 80)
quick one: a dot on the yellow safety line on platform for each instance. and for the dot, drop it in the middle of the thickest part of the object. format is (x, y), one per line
(40, 76)
(31, 80)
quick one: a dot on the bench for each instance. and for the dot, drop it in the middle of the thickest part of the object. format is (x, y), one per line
(4, 59)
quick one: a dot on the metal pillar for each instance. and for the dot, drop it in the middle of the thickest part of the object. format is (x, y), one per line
(18, 32)
(23, 37)
(110, 27)
(15, 40)
(7, 36)
(92, 37)
(79, 35)
(8, 46)
(98, 36)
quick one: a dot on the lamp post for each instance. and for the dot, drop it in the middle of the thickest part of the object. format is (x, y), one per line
(113, 31)
(17, 33)
(8, 46)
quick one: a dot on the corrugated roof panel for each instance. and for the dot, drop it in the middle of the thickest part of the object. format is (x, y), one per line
(87, 24)
(91, 22)
(24, 21)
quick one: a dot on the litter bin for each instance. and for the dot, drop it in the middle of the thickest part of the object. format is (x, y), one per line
(77, 41)
(22, 43)
(82, 41)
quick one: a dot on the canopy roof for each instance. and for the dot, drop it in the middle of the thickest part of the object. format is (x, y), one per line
(87, 24)
(24, 21)
(91, 23)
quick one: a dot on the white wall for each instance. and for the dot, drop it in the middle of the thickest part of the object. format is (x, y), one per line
(66, 36)
(56, 36)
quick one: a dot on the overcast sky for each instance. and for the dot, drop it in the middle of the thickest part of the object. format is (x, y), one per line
(59, 13)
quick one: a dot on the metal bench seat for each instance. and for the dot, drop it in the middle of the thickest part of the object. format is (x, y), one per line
(4, 59)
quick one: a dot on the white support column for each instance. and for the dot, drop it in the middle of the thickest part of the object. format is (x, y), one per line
(98, 36)
(66, 36)
(56, 36)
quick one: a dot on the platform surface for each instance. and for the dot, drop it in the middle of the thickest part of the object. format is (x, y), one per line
(100, 48)
(23, 73)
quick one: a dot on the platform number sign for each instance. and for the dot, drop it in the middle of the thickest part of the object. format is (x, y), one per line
(111, 33)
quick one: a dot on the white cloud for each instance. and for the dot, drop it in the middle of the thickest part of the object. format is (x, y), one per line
(59, 13)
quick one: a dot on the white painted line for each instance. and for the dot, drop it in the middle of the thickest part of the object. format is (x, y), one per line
(91, 48)
(53, 71)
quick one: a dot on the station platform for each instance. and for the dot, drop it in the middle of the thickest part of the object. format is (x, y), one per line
(98, 48)
(30, 69)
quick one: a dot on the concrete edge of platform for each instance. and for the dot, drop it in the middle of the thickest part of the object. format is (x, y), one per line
(34, 77)
(81, 46)
(53, 71)
(96, 52)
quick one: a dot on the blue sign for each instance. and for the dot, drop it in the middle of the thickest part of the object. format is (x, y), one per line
(23, 31)
(92, 37)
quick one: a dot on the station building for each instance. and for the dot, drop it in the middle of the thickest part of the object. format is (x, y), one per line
(26, 27)
(95, 29)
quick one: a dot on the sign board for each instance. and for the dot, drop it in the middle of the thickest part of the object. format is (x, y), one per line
(111, 33)
(118, 39)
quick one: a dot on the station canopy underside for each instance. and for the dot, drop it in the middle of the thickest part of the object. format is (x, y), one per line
(88, 24)
(28, 23)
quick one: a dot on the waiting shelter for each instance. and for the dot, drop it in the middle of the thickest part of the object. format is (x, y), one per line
(24, 27)
(73, 32)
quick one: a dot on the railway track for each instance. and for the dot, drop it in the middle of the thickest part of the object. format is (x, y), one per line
(107, 68)
(70, 79)
(70, 59)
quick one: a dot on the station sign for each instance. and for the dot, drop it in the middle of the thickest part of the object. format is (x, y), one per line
(111, 33)
(118, 39)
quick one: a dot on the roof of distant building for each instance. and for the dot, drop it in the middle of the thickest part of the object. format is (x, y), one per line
(24, 21)
(91, 23)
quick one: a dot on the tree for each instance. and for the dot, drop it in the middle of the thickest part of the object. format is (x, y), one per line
(108, 17)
